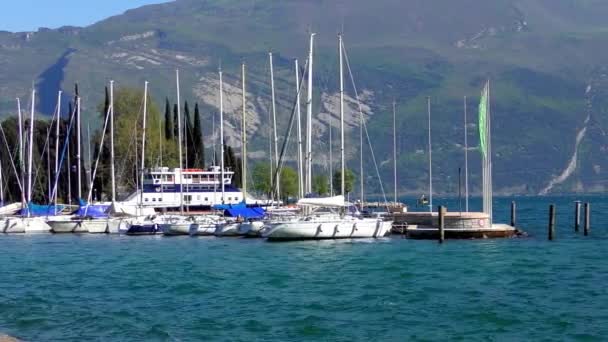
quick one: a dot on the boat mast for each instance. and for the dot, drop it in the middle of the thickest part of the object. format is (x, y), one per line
(430, 156)
(78, 162)
(299, 114)
(309, 118)
(89, 161)
(143, 146)
(395, 148)
(274, 129)
(179, 144)
(57, 144)
(31, 150)
(342, 166)
(112, 171)
(21, 161)
(466, 160)
(331, 156)
(244, 139)
(222, 132)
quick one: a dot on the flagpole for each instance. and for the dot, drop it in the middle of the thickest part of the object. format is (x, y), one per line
(430, 157)
(466, 160)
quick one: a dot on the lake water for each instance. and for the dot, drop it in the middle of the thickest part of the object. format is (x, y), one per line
(75, 288)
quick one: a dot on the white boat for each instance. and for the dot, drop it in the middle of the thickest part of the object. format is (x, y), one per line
(176, 225)
(326, 225)
(27, 225)
(227, 228)
(95, 225)
(251, 228)
(62, 224)
(204, 225)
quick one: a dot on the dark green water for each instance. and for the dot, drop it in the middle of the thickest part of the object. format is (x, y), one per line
(79, 288)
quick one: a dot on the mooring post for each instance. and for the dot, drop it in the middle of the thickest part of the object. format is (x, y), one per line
(513, 214)
(551, 222)
(587, 218)
(577, 215)
(441, 222)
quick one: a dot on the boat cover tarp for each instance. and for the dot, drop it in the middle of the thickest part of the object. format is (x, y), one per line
(246, 213)
(331, 202)
(93, 210)
(41, 210)
(229, 206)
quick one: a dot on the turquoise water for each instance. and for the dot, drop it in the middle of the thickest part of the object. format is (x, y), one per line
(74, 288)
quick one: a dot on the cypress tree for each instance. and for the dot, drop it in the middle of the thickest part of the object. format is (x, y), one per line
(168, 121)
(175, 123)
(197, 140)
(188, 137)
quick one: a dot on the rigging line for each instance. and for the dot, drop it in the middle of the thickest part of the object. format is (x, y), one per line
(42, 153)
(352, 79)
(290, 127)
(12, 158)
(63, 152)
(103, 135)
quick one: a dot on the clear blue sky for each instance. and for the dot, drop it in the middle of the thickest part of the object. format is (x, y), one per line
(28, 15)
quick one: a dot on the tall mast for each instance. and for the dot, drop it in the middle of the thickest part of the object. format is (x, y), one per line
(143, 145)
(179, 144)
(57, 142)
(342, 161)
(89, 161)
(274, 128)
(309, 118)
(78, 162)
(395, 148)
(244, 139)
(430, 156)
(331, 156)
(466, 160)
(299, 114)
(222, 132)
(31, 150)
(112, 171)
(21, 161)
(489, 133)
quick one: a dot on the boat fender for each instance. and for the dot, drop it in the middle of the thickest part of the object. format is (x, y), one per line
(355, 227)
(320, 229)
(336, 229)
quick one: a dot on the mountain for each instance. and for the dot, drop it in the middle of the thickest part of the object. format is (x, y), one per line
(544, 58)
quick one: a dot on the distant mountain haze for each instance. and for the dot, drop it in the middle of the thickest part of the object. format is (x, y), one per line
(545, 60)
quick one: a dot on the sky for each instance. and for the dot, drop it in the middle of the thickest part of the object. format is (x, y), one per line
(29, 15)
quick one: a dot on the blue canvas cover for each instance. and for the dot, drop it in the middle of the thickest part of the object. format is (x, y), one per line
(93, 210)
(229, 206)
(40, 210)
(246, 213)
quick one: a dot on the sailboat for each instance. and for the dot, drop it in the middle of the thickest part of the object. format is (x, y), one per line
(330, 217)
(28, 223)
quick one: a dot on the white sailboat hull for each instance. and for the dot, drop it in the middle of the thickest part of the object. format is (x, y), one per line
(251, 229)
(227, 229)
(61, 225)
(25, 225)
(180, 228)
(95, 226)
(204, 229)
(331, 229)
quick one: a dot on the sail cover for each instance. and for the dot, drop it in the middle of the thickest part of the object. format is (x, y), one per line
(332, 202)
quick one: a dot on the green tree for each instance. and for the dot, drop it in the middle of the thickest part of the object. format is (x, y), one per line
(175, 122)
(197, 140)
(168, 121)
(289, 183)
(320, 185)
(188, 138)
(127, 121)
(261, 178)
(349, 181)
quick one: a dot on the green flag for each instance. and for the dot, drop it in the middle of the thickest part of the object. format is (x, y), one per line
(483, 113)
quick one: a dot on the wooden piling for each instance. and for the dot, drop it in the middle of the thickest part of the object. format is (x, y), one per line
(577, 215)
(513, 214)
(551, 222)
(441, 223)
(587, 223)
